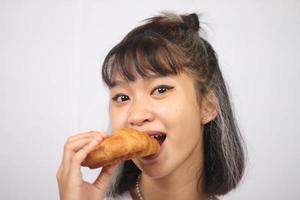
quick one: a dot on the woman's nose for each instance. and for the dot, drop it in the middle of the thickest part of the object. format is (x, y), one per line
(140, 112)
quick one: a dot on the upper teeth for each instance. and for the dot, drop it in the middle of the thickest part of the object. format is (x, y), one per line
(156, 136)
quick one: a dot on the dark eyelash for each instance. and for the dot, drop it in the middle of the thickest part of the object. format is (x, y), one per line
(162, 86)
(117, 96)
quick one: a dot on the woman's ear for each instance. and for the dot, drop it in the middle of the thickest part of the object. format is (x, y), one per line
(209, 105)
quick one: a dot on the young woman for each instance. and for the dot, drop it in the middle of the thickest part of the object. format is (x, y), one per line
(164, 78)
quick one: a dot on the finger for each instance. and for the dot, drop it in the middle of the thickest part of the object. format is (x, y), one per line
(59, 177)
(59, 174)
(80, 155)
(72, 147)
(103, 179)
(69, 145)
(77, 144)
(86, 134)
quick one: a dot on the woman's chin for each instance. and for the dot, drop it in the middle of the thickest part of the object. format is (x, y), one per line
(154, 174)
(155, 171)
(154, 166)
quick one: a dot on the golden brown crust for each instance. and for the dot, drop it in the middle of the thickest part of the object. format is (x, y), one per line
(124, 144)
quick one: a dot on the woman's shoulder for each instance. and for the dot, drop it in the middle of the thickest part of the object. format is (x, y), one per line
(124, 196)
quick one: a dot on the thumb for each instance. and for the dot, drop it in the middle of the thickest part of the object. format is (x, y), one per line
(102, 180)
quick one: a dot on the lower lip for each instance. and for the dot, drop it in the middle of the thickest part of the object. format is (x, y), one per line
(152, 157)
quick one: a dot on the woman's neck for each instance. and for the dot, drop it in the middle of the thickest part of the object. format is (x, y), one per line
(167, 189)
(182, 183)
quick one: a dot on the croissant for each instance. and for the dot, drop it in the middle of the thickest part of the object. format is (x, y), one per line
(124, 144)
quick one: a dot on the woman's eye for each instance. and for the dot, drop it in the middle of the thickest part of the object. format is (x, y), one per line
(120, 98)
(161, 89)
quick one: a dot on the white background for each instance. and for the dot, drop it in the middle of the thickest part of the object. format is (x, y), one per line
(50, 85)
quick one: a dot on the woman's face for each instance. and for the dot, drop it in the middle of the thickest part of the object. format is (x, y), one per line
(161, 105)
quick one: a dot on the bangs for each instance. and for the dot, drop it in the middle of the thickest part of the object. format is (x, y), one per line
(143, 56)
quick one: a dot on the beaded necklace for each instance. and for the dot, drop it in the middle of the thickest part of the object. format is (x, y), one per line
(139, 193)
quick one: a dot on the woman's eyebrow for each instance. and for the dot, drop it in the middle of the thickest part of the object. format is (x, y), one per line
(117, 82)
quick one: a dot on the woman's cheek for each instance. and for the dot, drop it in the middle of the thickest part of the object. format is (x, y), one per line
(116, 118)
(169, 114)
(171, 109)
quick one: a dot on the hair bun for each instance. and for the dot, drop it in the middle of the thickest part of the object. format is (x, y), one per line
(192, 21)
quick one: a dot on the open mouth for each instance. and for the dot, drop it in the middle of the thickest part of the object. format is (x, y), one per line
(160, 137)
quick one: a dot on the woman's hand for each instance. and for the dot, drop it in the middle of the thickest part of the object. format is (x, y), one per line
(70, 181)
